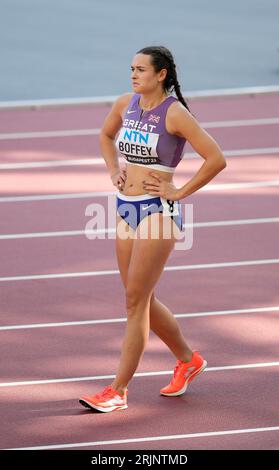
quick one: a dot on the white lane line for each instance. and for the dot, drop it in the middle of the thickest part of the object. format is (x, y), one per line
(100, 161)
(245, 185)
(96, 131)
(49, 134)
(241, 123)
(238, 152)
(221, 223)
(124, 319)
(151, 438)
(64, 102)
(227, 92)
(137, 374)
(108, 100)
(72, 233)
(69, 233)
(52, 197)
(116, 271)
(86, 195)
(51, 163)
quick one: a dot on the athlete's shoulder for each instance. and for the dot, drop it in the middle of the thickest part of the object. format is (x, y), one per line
(123, 100)
(176, 115)
(176, 107)
(177, 111)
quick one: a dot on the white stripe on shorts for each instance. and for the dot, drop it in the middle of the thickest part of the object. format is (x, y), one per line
(141, 197)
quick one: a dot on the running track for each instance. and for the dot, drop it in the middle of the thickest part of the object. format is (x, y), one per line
(62, 302)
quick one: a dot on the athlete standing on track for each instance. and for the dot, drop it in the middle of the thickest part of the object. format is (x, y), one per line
(153, 127)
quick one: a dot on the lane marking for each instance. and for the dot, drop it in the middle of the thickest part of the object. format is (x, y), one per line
(50, 134)
(100, 161)
(238, 152)
(244, 152)
(151, 438)
(116, 271)
(72, 233)
(241, 123)
(245, 185)
(137, 374)
(124, 319)
(67, 233)
(51, 163)
(108, 100)
(96, 131)
(219, 223)
(52, 197)
(85, 195)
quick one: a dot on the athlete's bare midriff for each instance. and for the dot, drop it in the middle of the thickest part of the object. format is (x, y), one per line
(136, 175)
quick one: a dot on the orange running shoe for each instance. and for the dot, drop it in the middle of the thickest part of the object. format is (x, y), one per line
(108, 400)
(184, 373)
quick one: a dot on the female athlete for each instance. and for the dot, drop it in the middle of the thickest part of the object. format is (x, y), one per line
(152, 127)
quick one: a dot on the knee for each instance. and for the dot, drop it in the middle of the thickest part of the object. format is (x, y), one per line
(136, 299)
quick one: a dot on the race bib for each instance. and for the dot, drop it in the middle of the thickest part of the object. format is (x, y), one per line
(170, 207)
(138, 146)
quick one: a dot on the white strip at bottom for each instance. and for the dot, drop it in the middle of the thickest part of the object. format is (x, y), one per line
(152, 438)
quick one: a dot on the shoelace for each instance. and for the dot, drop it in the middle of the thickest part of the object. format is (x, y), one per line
(107, 392)
(177, 370)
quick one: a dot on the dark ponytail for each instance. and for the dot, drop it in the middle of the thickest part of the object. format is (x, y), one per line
(162, 58)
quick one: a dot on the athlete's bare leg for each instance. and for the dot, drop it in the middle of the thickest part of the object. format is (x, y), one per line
(144, 311)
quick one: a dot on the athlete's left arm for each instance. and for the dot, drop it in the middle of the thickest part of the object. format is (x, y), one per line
(182, 123)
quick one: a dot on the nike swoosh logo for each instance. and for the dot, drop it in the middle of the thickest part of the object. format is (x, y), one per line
(150, 205)
(130, 112)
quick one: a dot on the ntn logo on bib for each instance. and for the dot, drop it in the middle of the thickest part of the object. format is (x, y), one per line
(138, 143)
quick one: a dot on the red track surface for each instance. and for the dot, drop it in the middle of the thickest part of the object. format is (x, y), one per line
(224, 398)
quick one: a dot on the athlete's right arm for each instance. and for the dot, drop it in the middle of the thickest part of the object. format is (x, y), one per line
(111, 126)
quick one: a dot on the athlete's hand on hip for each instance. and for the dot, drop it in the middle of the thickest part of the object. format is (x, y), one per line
(118, 179)
(156, 186)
